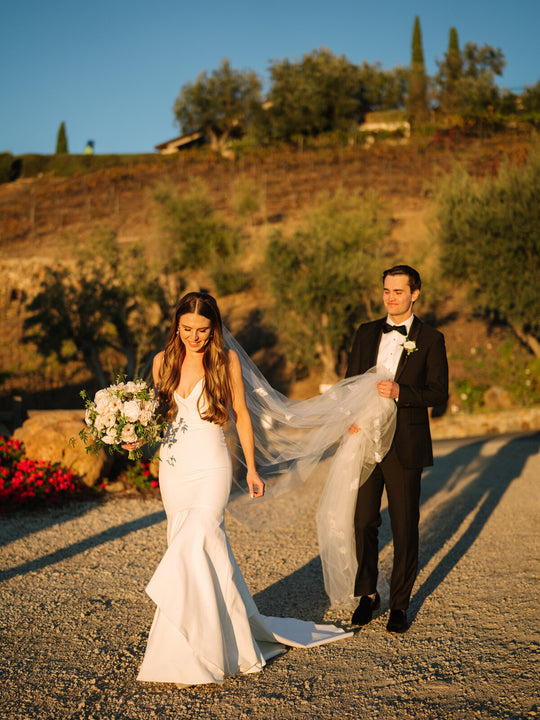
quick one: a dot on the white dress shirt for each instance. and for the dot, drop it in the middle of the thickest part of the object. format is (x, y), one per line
(391, 347)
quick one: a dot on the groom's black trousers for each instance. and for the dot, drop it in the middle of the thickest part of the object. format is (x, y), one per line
(403, 492)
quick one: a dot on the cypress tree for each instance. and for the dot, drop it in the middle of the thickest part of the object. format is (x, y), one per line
(417, 101)
(453, 43)
(61, 140)
(453, 71)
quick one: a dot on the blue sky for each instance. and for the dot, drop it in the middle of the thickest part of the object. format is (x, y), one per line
(111, 70)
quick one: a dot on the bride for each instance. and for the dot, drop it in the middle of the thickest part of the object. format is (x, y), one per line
(206, 625)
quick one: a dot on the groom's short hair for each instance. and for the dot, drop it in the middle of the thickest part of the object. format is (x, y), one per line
(414, 277)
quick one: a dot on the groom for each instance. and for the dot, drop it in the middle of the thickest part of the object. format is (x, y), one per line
(413, 357)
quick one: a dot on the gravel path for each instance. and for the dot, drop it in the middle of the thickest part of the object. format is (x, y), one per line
(75, 616)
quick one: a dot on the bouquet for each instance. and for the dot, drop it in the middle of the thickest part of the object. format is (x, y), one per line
(121, 414)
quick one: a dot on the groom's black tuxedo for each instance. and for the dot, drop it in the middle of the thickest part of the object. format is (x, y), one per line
(423, 382)
(422, 376)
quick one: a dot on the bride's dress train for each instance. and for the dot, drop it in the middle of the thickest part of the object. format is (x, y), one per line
(207, 626)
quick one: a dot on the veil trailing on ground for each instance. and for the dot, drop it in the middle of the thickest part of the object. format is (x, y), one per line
(301, 446)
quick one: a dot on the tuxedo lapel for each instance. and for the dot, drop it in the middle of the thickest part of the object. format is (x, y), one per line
(377, 335)
(413, 335)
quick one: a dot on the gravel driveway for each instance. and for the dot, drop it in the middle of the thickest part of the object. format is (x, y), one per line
(75, 616)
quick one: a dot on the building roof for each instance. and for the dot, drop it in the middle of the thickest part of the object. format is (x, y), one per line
(170, 146)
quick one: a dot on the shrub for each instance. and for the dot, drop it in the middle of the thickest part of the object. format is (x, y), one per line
(196, 235)
(246, 198)
(230, 280)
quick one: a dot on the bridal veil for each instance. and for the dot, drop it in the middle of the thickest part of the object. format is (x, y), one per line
(301, 445)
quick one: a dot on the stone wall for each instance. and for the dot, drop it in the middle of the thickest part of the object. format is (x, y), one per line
(494, 423)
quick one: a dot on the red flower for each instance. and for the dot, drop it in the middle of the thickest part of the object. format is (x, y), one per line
(24, 480)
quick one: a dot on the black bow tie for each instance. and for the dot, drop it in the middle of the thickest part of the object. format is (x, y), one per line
(399, 328)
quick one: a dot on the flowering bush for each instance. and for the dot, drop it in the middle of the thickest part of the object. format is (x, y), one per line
(121, 413)
(24, 481)
(139, 474)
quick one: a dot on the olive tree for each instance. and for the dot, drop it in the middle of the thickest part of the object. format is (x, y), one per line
(490, 238)
(218, 104)
(319, 93)
(111, 301)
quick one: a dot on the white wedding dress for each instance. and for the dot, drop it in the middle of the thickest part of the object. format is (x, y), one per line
(207, 626)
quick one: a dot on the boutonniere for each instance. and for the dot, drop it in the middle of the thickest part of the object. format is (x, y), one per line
(409, 346)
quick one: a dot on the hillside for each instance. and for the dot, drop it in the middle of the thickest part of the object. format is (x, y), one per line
(34, 212)
(46, 218)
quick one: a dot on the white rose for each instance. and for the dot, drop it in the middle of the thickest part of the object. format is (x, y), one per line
(109, 419)
(109, 439)
(128, 434)
(130, 386)
(105, 420)
(409, 345)
(115, 404)
(102, 399)
(145, 416)
(131, 410)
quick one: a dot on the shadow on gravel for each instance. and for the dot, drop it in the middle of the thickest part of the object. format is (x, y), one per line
(474, 479)
(300, 595)
(485, 478)
(14, 526)
(88, 543)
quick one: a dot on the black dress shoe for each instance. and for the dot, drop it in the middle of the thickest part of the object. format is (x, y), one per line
(364, 612)
(397, 622)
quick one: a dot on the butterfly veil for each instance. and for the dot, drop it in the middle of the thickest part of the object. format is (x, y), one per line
(303, 446)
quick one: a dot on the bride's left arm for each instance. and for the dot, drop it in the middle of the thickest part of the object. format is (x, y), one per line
(243, 425)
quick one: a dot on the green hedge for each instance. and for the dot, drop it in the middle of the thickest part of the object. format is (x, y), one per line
(32, 165)
(6, 162)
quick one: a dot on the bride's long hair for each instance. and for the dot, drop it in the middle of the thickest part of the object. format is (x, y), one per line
(217, 389)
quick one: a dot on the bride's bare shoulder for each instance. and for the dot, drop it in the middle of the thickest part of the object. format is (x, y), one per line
(234, 361)
(232, 356)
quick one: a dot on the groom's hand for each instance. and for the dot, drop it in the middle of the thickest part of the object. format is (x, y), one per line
(388, 389)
